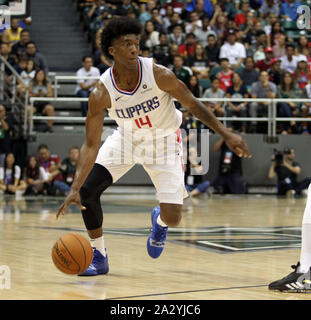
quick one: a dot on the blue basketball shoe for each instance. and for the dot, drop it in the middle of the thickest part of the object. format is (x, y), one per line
(156, 240)
(98, 266)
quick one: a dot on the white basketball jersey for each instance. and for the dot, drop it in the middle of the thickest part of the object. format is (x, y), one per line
(146, 107)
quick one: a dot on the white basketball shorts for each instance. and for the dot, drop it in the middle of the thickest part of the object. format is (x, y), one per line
(162, 160)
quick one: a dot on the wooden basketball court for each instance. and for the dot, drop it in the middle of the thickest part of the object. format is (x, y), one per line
(226, 247)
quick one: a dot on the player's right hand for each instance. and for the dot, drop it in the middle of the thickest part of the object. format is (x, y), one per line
(72, 198)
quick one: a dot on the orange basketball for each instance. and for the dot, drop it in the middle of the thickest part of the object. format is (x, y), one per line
(72, 253)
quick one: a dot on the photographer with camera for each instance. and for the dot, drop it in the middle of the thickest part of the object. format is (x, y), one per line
(286, 170)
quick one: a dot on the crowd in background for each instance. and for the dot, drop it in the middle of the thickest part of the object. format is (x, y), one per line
(252, 47)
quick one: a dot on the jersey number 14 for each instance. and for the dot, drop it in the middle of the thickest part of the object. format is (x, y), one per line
(140, 122)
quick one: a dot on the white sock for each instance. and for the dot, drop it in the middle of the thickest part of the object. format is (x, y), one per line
(99, 244)
(160, 222)
(305, 255)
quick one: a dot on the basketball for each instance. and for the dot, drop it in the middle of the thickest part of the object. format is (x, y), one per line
(72, 253)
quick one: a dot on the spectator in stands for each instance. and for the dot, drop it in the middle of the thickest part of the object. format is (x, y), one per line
(5, 52)
(289, 60)
(150, 37)
(19, 48)
(40, 87)
(98, 8)
(195, 182)
(286, 169)
(69, 165)
(174, 21)
(232, 50)
(288, 89)
(249, 74)
(198, 63)
(167, 16)
(37, 179)
(145, 52)
(228, 7)
(212, 51)
(288, 10)
(218, 24)
(51, 165)
(302, 48)
(247, 30)
(261, 89)
(261, 40)
(12, 35)
(195, 24)
(266, 64)
(157, 21)
(29, 73)
(172, 53)
(84, 87)
(214, 92)
(10, 176)
(122, 8)
(187, 49)
(230, 178)
(21, 64)
(202, 34)
(37, 57)
(195, 87)
(237, 109)
(181, 73)
(224, 75)
(269, 6)
(161, 52)
(275, 73)
(302, 74)
(279, 49)
(177, 36)
(240, 18)
(275, 34)
(5, 133)
(201, 7)
(146, 11)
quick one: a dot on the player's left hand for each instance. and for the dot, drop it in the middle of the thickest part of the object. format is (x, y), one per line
(238, 145)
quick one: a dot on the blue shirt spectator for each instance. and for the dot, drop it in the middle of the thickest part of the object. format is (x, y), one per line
(289, 9)
(208, 7)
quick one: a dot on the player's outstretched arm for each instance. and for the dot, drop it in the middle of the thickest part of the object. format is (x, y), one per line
(99, 101)
(167, 81)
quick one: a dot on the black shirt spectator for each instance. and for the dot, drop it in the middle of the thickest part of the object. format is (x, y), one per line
(229, 179)
(5, 52)
(212, 51)
(161, 52)
(5, 129)
(249, 75)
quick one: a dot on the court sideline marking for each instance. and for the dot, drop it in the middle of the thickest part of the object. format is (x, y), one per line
(189, 291)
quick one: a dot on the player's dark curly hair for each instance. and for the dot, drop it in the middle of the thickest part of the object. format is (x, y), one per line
(116, 28)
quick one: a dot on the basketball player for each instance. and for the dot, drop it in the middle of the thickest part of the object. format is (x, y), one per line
(136, 92)
(299, 280)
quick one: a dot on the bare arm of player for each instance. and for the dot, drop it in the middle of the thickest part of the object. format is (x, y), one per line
(167, 81)
(99, 101)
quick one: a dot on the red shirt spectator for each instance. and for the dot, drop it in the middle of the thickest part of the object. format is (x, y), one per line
(50, 163)
(188, 48)
(240, 18)
(225, 79)
(264, 65)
